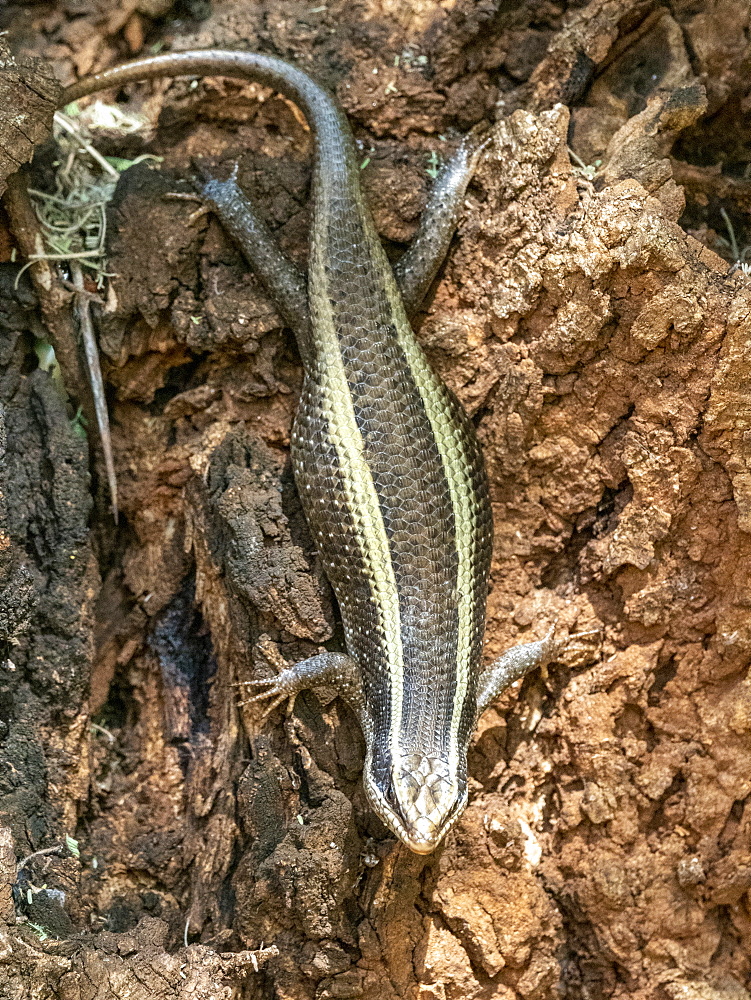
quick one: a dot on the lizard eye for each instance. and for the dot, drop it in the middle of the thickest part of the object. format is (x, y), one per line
(390, 796)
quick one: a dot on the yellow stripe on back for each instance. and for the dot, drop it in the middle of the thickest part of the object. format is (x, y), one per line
(448, 438)
(363, 505)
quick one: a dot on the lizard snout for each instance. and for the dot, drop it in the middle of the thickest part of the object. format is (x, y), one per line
(429, 799)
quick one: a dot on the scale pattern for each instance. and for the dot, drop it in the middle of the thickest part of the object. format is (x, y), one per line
(389, 471)
(393, 485)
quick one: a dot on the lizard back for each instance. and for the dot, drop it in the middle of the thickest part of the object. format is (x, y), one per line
(392, 482)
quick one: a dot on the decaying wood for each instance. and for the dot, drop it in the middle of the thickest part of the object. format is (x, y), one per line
(589, 324)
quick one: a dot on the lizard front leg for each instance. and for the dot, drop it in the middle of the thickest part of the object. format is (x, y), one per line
(513, 665)
(334, 669)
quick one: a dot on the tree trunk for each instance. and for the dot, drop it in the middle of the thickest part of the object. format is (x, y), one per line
(593, 319)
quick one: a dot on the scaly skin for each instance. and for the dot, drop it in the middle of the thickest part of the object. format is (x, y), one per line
(387, 464)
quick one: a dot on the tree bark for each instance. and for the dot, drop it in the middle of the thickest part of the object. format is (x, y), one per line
(157, 837)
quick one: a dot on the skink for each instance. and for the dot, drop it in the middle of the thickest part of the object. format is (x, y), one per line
(387, 464)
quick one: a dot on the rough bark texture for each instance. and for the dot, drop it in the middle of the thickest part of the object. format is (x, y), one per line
(591, 322)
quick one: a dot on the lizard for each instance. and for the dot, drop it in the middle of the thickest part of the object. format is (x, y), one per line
(387, 463)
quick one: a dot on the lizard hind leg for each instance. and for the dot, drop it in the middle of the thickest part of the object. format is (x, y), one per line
(285, 283)
(415, 270)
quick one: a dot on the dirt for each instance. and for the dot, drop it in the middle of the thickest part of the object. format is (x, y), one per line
(157, 837)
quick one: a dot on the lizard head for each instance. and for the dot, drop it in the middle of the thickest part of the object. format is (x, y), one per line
(420, 800)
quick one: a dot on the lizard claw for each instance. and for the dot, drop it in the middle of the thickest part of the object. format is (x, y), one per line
(278, 687)
(568, 644)
(478, 139)
(578, 635)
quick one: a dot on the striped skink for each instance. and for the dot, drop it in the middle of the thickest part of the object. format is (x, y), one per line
(387, 464)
